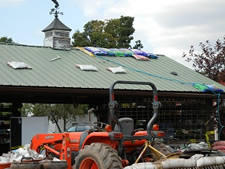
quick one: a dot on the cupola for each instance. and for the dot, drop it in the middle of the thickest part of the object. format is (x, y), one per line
(57, 35)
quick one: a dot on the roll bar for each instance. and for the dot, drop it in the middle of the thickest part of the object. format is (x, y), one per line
(113, 104)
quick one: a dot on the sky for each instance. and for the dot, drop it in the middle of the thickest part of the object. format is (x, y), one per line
(164, 27)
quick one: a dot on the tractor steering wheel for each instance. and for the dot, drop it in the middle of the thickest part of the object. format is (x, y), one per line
(99, 125)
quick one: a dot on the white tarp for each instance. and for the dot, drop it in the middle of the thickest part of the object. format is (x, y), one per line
(18, 65)
(116, 69)
(87, 67)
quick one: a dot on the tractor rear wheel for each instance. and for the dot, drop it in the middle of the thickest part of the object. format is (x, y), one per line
(98, 156)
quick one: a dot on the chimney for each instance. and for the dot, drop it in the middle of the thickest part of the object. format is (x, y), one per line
(57, 35)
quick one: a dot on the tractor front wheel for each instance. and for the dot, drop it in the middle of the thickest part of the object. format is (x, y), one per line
(98, 156)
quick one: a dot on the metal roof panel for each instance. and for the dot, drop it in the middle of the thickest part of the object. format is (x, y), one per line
(63, 73)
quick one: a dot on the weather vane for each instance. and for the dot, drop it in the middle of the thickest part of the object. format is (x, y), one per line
(55, 10)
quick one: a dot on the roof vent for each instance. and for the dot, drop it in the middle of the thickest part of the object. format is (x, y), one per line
(57, 35)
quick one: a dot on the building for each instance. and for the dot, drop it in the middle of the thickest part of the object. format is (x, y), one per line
(51, 75)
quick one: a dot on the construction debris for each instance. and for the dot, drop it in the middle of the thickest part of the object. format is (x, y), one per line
(196, 160)
(18, 154)
(197, 146)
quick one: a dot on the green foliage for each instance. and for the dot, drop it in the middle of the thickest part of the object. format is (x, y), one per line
(6, 40)
(5, 105)
(121, 30)
(211, 61)
(55, 112)
(93, 26)
(125, 31)
(80, 39)
(26, 109)
(113, 28)
(138, 45)
(113, 33)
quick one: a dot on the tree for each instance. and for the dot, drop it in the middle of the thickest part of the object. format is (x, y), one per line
(26, 109)
(126, 31)
(122, 30)
(113, 33)
(5, 105)
(138, 45)
(55, 112)
(211, 61)
(6, 40)
(80, 39)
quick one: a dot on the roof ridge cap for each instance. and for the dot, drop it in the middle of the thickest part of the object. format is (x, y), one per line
(18, 44)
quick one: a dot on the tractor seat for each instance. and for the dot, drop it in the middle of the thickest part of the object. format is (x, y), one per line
(127, 126)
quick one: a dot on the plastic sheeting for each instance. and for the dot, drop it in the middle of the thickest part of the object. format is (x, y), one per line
(18, 154)
(126, 52)
(85, 51)
(95, 50)
(207, 88)
(143, 53)
(87, 67)
(121, 52)
(152, 56)
(116, 69)
(117, 52)
(139, 52)
(140, 57)
(196, 160)
(18, 65)
(108, 51)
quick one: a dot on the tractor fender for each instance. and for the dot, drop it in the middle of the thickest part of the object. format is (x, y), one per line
(98, 137)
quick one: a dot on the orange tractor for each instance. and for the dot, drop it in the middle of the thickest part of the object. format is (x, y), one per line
(104, 147)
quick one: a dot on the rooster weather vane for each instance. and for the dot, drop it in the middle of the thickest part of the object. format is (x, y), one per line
(55, 10)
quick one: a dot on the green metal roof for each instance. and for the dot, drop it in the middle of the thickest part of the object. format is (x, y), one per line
(63, 73)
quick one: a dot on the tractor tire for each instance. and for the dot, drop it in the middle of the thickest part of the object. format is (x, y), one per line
(98, 156)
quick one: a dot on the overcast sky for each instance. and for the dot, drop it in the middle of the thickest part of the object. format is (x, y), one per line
(164, 27)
